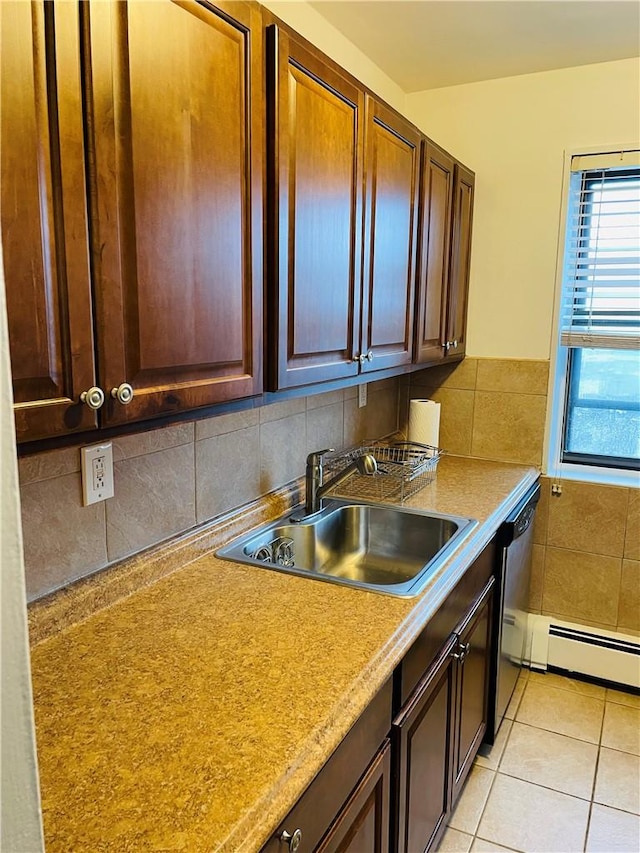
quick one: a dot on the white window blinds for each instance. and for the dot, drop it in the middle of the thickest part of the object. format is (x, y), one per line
(601, 282)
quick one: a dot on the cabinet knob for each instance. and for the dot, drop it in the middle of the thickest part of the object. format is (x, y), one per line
(292, 841)
(462, 651)
(123, 393)
(94, 397)
(370, 355)
(358, 358)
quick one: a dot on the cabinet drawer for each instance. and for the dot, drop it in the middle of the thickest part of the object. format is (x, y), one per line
(423, 652)
(323, 801)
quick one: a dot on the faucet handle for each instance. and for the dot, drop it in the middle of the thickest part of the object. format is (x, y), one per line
(315, 458)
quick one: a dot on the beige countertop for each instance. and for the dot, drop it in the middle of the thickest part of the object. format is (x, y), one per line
(191, 713)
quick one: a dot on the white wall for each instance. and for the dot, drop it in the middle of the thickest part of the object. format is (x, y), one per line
(309, 23)
(512, 132)
(20, 824)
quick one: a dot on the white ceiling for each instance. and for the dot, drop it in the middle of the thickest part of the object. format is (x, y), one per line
(427, 44)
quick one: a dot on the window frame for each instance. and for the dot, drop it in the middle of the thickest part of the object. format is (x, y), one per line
(554, 465)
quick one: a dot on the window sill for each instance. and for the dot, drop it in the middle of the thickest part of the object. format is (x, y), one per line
(593, 474)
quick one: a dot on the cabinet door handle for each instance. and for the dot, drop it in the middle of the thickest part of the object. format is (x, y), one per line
(461, 652)
(123, 393)
(291, 840)
(94, 397)
(370, 355)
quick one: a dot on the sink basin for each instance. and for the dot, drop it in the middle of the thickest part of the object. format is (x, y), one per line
(380, 548)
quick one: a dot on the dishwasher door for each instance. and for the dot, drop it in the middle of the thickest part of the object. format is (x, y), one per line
(515, 548)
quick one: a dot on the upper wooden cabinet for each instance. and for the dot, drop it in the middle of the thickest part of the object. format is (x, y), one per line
(316, 131)
(392, 171)
(445, 245)
(44, 219)
(133, 213)
(457, 302)
(173, 126)
(332, 315)
(435, 235)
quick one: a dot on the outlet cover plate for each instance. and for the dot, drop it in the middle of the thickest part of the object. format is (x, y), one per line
(97, 473)
(362, 395)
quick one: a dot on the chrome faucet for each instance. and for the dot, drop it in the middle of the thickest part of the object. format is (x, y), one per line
(316, 489)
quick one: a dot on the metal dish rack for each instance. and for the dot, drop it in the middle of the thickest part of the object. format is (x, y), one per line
(404, 467)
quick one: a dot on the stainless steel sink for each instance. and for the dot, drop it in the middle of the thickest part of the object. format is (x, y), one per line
(380, 548)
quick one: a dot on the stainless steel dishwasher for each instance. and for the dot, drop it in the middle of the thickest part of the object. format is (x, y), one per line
(510, 632)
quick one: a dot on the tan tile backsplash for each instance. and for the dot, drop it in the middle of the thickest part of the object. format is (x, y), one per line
(456, 416)
(491, 408)
(629, 606)
(63, 540)
(589, 517)
(581, 586)
(155, 500)
(496, 408)
(169, 479)
(508, 426)
(513, 376)
(586, 559)
(632, 536)
(143, 443)
(227, 471)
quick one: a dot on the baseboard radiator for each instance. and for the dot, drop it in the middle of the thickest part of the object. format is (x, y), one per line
(592, 652)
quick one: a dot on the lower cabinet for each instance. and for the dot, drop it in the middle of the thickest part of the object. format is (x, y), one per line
(422, 748)
(393, 781)
(439, 729)
(346, 806)
(472, 681)
(363, 823)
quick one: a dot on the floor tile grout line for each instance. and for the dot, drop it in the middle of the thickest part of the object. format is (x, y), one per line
(615, 808)
(562, 734)
(580, 693)
(595, 776)
(621, 751)
(591, 802)
(552, 731)
(586, 799)
(570, 692)
(484, 807)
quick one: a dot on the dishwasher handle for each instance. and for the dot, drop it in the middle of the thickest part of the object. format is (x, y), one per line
(520, 519)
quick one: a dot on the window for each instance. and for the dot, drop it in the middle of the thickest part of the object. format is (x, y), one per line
(597, 396)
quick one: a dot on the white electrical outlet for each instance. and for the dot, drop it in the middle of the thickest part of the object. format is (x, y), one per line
(362, 395)
(97, 473)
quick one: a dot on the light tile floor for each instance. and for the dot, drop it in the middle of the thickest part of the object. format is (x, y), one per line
(563, 775)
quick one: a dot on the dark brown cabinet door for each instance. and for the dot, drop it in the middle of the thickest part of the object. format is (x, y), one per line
(44, 220)
(392, 154)
(316, 138)
(363, 824)
(472, 684)
(422, 743)
(463, 193)
(433, 270)
(175, 141)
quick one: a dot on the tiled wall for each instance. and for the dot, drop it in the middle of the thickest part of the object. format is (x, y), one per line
(586, 556)
(490, 408)
(170, 479)
(586, 560)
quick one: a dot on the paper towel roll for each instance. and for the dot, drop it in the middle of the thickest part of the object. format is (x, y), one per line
(424, 422)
